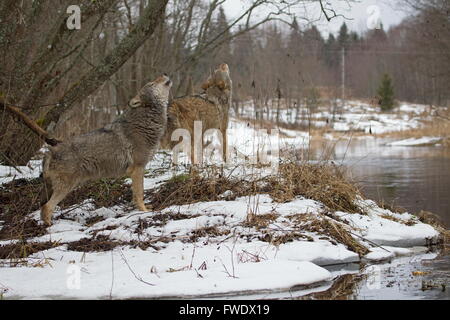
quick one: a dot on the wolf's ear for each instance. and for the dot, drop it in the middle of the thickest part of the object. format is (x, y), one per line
(207, 84)
(135, 102)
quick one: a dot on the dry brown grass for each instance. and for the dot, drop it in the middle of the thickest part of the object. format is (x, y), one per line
(279, 239)
(339, 233)
(260, 221)
(20, 197)
(194, 187)
(328, 227)
(206, 232)
(161, 219)
(24, 249)
(391, 207)
(103, 193)
(100, 243)
(322, 182)
(17, 199)
(392, 218)
(435, 221)
(96, 244)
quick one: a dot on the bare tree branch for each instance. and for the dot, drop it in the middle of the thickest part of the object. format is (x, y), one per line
(145, 26)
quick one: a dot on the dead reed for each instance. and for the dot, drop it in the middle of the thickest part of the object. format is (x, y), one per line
(20, 197)
(207, 185)
(323, 182)
(23, 249)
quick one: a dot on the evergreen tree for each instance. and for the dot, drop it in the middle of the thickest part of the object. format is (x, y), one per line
(274, 38)
(377, 36)
(295, 39)
(386, 93)
(354, 38)
(314, 42)
(243, 61)
(343, 36)
(331, 54)
(222, 28)
(217, 31)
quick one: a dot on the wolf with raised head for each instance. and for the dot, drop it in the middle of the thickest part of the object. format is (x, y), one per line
(121, 148)
(211, 107)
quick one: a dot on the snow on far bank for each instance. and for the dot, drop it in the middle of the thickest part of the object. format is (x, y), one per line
(413, 108)
(353, 115)
(247, 140)
(424, 141)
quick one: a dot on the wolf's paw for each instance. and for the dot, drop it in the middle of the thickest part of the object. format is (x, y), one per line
(46, 215)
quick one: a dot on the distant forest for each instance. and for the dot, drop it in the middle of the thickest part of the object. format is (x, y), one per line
(72, 81)
(415, 53)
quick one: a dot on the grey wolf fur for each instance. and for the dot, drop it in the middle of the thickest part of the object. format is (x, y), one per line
(121, 148)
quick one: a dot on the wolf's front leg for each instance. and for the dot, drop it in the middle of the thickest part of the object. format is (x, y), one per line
(137, 186)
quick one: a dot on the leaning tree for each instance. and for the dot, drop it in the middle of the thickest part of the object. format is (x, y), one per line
(43, 62)
(46, 68)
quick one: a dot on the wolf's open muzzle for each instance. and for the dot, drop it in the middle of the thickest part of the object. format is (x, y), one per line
(164, 79)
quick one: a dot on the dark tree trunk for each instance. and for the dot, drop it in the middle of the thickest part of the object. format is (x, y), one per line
(18, 144)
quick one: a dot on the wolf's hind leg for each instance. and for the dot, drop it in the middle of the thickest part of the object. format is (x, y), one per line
(59, 192)
(46, 192)
(137, 186)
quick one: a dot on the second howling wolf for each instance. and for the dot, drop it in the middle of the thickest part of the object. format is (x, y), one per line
(211, 108)
(122, 148)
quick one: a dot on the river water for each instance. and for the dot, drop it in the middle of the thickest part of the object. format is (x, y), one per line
(415, 178)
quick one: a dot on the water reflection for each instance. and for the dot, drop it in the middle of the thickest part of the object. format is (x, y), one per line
(417, 277)
(422, 276)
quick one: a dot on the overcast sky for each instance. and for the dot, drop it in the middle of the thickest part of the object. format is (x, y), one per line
(390, 13)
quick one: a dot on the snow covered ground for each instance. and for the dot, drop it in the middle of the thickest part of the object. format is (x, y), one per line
(202, 249)
(32, 170)
(229, 263)
(209, 248)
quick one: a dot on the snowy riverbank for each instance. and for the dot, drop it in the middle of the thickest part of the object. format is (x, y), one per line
(352, 115)
(204, 248)
(230, 246)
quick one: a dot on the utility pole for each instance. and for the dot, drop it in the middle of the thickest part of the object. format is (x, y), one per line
(343, 75)
(335, 104)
